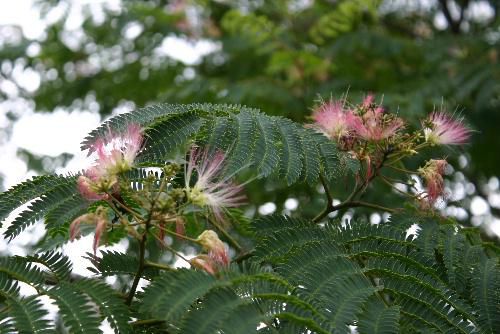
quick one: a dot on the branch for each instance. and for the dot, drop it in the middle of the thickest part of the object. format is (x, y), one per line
(349, 203)
(140, 269)
(329, 198)
(142, 246)
(454, 24)
(243, 256)
(158, 266)
(147, 322)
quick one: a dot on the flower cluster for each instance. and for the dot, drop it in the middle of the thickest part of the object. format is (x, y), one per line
(211, 188)
(217, 256)
(164, 203)
(367, 122)
(441, 129)
(432, 173)
(115, 154)
(377, 139)
(99, 219)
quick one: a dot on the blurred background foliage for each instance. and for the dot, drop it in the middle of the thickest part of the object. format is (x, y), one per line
(281, 56)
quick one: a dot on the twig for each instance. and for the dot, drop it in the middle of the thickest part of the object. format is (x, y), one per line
(123, 220)
(142, 246)
(403, 170)
(170, 248)
(243, 256)
(147, 322)
(384, 179)
(329, 204)
(180, 235)
(158, 266)
(126, 208)
(140, 269)
(359, 189)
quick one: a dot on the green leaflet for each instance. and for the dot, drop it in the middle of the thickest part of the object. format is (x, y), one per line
(344, 271)
(28, 316)
(486, 295)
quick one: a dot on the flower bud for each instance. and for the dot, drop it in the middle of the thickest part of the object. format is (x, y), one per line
(217, 251)
(203, 262)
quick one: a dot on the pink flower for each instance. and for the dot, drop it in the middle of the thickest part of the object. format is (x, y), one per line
(368, 101)
(333, 120)
(217, 257)
(87, 189)
(432, 173)
(217, 251)
(180, 225)
(204, 262)
(98, 218)
(115, 154)
(374, 125)
(442, 129)
(211, 189)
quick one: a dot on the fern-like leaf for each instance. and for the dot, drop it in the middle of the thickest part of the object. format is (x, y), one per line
(47, 201)
(379, 319)
(29, 316)
(20, 269)
(486, 295)
(57, 263)
(170, 294)
(27, 191)
(110, 305)
(78, 314)
(116, 263)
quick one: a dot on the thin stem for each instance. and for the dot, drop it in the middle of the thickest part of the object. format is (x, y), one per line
(403, 170)
(142, 247)
(229, 238)
(170, 248)
(329, 197)
(372, 205)
(243, 256)
(386, 181)
(158, 266)
(180, 235)
(140, 269)
(358, 190)
(329, 203)
(123, 220)
(126, 208)
(147, 322)
(176, 253)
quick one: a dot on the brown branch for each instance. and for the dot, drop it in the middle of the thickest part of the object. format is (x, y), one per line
(454, 24)
(142, 246)
(349, 202)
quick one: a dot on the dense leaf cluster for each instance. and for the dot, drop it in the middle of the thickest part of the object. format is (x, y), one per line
(294, 275)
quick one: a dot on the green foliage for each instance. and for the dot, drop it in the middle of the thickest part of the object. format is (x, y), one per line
(300, 276)
(278, 55)
(250, 139)
(55, 197)
(486, 295)
(77, 313)
(114, 263)
(28, 315)
(58, 264)
(83, 303)
(345, 17)
(266, 144)
(352, 271)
